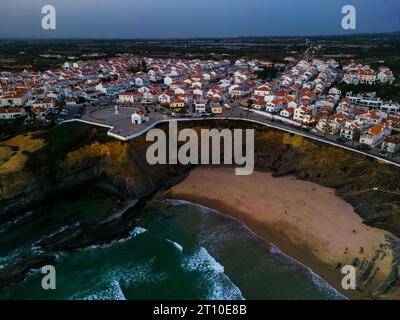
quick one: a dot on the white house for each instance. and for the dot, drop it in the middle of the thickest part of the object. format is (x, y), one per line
(259, 104)
(287, 112)
(274, 106)
(375, 135)
(262, 91)
(385, 76)
(14, 99)
(216, 109)
(302, 114)
(391, 144)
(129, 97)
(168, 80)
(11, 113)
(179, 91)
(165, 98)
(177, 103)
(149, 97)
(139, 117)
(200, 107)
(349, 130)
(46, 103)
(140, 82)
(40, 112)
(70, 102)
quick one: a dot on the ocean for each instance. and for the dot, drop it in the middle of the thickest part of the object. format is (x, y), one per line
(179, 250)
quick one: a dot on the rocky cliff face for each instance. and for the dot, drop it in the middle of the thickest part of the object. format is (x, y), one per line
(30, 171)
(34, 175)
(35, 167)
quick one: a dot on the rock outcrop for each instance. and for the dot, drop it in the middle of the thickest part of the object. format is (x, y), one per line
(33, 168)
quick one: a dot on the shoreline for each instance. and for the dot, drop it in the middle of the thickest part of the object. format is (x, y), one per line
(278, 232)
(299, 253)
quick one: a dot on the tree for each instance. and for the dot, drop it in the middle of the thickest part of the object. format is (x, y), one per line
(266, 73)
(356, 136)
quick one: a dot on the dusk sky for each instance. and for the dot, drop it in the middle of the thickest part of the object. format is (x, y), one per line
(194, 18)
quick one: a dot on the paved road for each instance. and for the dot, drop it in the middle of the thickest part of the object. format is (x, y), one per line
(121, 127)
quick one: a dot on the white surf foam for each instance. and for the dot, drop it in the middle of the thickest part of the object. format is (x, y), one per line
(113, 292)
(137, 231)
(176, 245)
(219, 285)
(319, 283)
(177, 202)
(133, 234)
(136, 274)
(324, 287)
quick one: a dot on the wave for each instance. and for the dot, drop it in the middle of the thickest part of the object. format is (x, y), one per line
(139, 274)
(137, 231)
(324, 287)
(9, 258)
(178, 202)
(113, 292)
(217, 284)
(133, 234)
(176, 245)
(127, 275)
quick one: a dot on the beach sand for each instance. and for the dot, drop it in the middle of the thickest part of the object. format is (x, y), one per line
(304, 220)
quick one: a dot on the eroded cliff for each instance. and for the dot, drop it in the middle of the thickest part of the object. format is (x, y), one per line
(36, 167)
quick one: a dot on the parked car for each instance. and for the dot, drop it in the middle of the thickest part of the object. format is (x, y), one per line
(341, 140)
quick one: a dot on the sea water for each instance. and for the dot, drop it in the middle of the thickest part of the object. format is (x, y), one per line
(179, 250)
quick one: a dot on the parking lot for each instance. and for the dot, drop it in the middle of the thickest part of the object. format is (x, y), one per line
(121, 121)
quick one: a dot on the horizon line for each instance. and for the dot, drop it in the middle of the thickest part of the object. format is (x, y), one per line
(196, 38)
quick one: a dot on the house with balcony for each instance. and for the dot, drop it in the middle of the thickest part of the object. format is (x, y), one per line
(391, 144)
(129, 97)
(375, 135)
(350, 130)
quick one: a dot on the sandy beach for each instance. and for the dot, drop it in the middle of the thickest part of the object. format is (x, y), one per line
(306, 221)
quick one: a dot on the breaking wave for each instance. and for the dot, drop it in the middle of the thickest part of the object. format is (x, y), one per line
(325, 288)
(218, 285)
(111, 284)
(113, 292)
(176, 245)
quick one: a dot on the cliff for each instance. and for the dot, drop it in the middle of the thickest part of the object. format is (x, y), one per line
(64, 159)
(34, 167)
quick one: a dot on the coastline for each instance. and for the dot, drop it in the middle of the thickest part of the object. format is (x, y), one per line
(231, 197)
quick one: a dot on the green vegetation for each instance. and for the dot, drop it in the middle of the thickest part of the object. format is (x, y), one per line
(69, 136)
(61, 140)
(14, 127)
(20, 55)
(384, 91)
(267, 74)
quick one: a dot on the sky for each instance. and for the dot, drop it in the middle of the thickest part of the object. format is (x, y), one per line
(194, 18)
